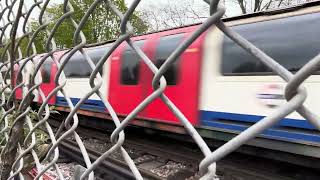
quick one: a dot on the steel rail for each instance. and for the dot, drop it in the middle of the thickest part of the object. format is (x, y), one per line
(110, 166)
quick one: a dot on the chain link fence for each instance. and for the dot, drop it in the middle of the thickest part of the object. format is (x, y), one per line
(18, 132)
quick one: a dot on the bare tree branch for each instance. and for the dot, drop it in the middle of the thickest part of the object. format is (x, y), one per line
(242, 6)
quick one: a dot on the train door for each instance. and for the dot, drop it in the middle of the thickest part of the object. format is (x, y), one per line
(48, 71)
(127, 89)
(182, 79)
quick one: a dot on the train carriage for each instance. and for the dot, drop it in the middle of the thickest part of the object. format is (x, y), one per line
(238, 90)
(217, 85)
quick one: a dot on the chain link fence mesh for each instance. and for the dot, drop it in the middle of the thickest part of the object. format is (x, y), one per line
(19, 150)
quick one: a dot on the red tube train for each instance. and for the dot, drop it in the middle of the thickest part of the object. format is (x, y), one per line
(218, 86)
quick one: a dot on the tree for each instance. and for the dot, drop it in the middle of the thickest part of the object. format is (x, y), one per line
(102, 25)
(168, 14)
(250, 6)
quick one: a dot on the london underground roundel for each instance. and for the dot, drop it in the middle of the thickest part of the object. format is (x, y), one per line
(271, 95)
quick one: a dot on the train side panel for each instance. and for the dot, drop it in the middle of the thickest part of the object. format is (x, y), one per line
(77, 72)
(46, 75)
(238, 90)
(127, 83)
(182, 77)
(132, 83)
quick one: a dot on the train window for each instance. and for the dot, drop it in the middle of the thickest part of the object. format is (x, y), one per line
(46, 71)
(273, 38)
(166, 46)
(130, 62)
(78, 67)
(96, 54)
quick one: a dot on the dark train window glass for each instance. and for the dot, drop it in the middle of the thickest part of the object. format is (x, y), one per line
(166, 46)
(78, 67)
(46, 71)
(97, 53)
(291, 41)
(130, 62)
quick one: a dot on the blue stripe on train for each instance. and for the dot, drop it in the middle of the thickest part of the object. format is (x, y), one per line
(212, 115)
(210, 118)
(96, 105)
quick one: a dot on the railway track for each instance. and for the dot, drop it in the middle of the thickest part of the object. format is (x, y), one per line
(148, 153)
(109, 169)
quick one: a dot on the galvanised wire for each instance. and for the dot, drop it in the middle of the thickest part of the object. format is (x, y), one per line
(31, 63)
